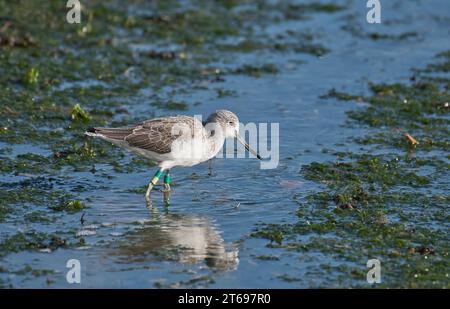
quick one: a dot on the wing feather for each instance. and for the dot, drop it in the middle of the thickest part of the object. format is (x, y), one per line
(156, 135)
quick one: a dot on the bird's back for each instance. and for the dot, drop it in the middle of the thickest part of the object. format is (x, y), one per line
(156, 135)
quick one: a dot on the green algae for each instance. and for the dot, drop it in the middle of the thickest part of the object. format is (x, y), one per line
(382, 36)
(333, 93)
(28, 269)
(32, 76)
(41, 195)
(222, 93)
(257, 71)
(371, 170)
(354, 27)
(171, 105)
(380, 206)
(267, 258)
(57, 79)
(289, 278)
(31, 240)
(59, 66)
(419, 109)
(289, 42)
(79, 114)
(69, 206)
(317, 7)
(442, 66)
(367, 208)
(274, 235)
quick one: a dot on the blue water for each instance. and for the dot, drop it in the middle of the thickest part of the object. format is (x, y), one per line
(202, 239)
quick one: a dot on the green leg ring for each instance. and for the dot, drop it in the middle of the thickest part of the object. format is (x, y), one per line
(155, 178)
(167, 179)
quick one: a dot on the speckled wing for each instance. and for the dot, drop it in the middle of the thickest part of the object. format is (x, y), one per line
(156, 135)
(153, 136)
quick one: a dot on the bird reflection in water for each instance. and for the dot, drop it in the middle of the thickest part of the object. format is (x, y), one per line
(184, 238)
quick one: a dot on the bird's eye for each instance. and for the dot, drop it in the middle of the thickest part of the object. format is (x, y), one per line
(231, 123)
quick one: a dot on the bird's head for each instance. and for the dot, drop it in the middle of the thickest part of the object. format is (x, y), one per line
(228, 123)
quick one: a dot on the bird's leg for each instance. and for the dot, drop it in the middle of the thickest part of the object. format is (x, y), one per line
(166, 198)
(167, 181)
(152, 183)
(149, 203)
(166, 191)
(210, 167)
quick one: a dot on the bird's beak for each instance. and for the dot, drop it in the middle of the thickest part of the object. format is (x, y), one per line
(247, 146)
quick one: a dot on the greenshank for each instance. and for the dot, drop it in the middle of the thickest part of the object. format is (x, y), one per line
(175, 141)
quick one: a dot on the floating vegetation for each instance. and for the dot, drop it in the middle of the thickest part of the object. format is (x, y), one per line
(333, 93)
(32, 76)
(58, 78)
(378, 205)
(354, 27)
(257, 71)
(79, 114)
(70, 206)
(317, 7)
(403, 36)
(127, 61)
(442, 66)
(31, 241)
(171, 105)
(417, 110)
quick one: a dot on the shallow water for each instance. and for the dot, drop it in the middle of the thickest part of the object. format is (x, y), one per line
(203, 239)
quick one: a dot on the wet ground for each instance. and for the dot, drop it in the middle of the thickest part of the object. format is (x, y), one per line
(364, 126)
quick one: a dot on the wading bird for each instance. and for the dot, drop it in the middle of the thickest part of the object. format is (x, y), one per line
(175, 141)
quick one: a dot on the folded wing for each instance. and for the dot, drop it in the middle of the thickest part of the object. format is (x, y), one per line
(156, 135)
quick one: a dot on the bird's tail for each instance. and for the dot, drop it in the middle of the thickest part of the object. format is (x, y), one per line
(91, 132)
(109, 133)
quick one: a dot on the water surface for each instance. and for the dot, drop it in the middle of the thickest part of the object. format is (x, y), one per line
(205, 238)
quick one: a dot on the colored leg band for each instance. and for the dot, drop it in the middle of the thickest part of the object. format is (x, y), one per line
(155, 178)
(167, 179)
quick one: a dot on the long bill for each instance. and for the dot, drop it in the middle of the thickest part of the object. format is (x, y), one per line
(247, 146)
